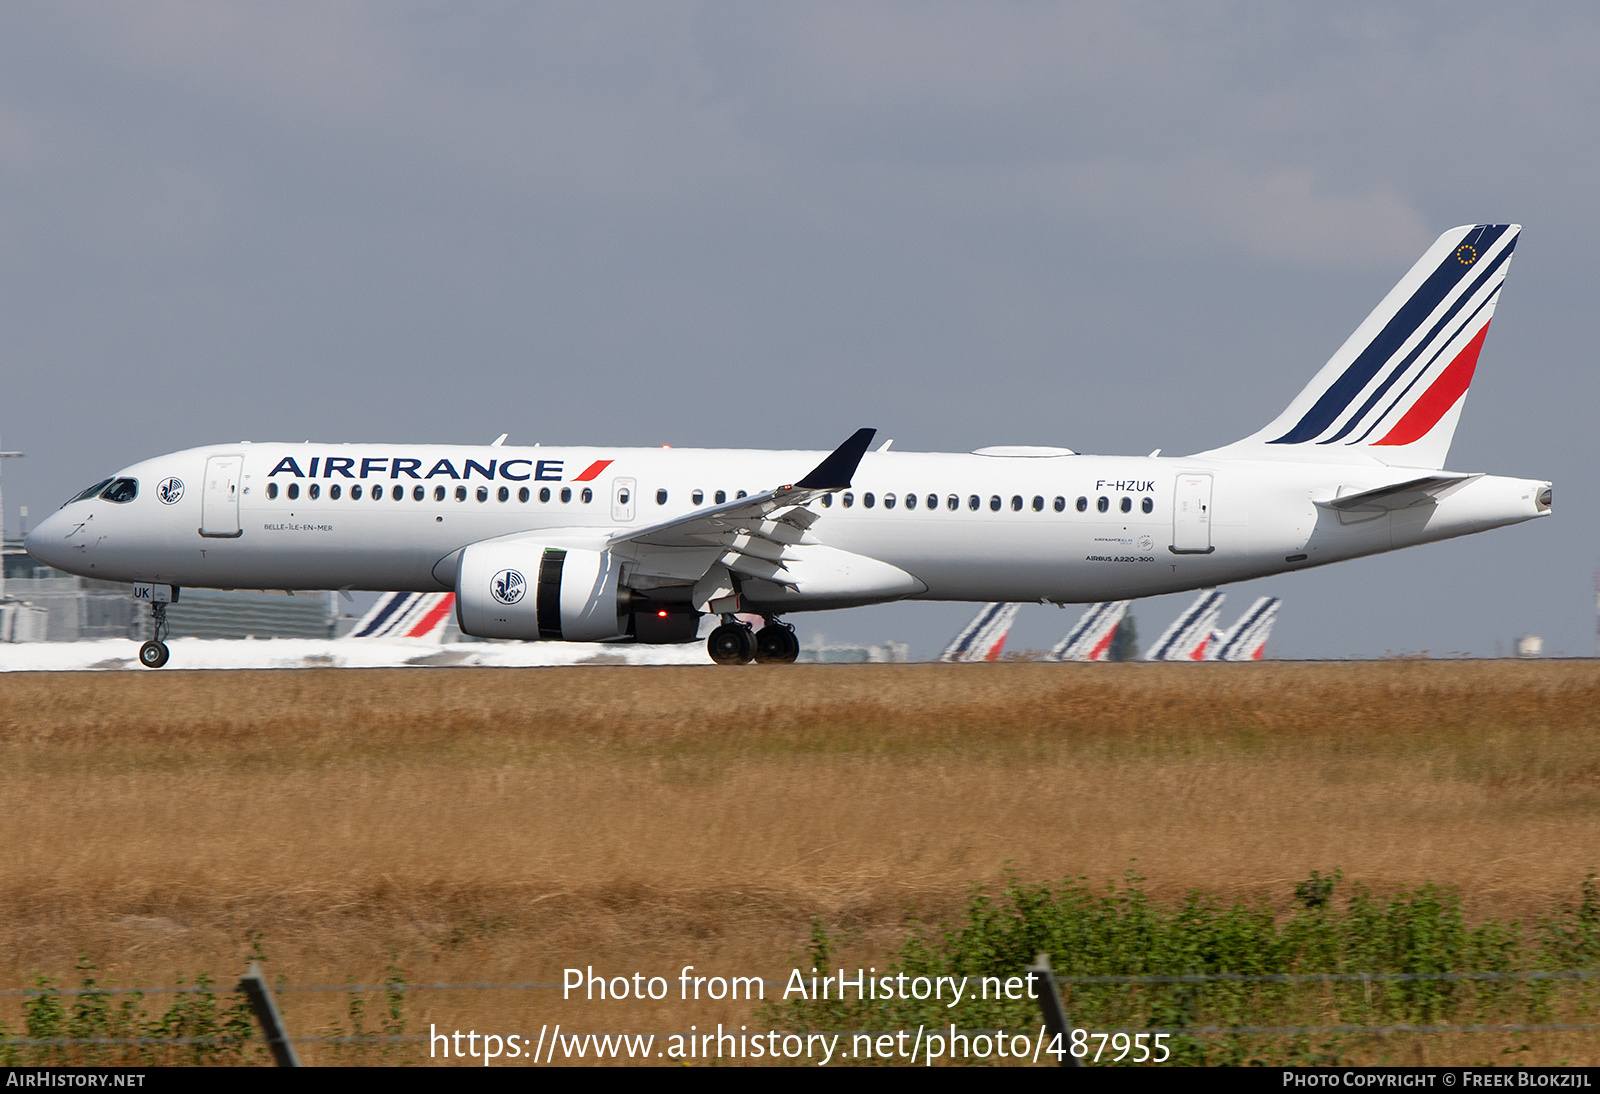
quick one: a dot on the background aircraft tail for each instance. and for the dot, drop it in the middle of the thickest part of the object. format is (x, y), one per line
(984, 637)
(1247, 640)
(1190, 633)
(406, 615)
(1393, 392)
(1090, 639)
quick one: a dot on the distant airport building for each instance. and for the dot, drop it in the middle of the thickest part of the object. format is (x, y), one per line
(45, 605)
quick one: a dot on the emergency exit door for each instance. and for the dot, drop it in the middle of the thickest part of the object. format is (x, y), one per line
(622, 500)
(219, 499)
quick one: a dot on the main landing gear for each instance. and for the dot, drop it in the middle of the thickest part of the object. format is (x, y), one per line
(733, 643)
(154, 653)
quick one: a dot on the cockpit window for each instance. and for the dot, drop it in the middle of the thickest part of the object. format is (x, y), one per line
(121, 490)
(89, 493)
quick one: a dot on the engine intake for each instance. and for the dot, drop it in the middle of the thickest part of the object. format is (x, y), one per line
(524, 590)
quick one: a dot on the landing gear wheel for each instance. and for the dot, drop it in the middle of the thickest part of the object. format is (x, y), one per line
(731, 644)
(776, 644)
(152, 655)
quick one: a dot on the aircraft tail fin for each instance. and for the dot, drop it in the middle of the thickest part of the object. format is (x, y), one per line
(1091, 637)
(406, 615)
(1393, 392)
(1189, 635)
(1247, 640)
(984, 637)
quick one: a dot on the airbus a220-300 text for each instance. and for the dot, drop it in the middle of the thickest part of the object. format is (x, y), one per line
(618, 544)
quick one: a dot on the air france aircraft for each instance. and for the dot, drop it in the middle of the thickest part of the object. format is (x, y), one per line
(618, 544)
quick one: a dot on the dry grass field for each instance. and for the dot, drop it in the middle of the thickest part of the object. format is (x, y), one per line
(502, 825)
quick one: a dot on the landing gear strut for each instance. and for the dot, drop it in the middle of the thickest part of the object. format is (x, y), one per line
(776, 644)
(154, 654)
(732, 643)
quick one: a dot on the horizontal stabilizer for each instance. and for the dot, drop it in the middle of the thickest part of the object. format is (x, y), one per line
(1400, 495)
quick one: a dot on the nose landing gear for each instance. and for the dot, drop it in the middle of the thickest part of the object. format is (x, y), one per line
(154, 654)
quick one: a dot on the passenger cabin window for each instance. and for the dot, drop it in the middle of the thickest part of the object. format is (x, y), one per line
(911, 501)
(1103, 504)
(888, 501)
(933, 501)
(740, 494)
(566, 494)
(1061, 504)
(272, 491)
(951, 503)
(334, 491)
(544, 493)
(438, 493)
(974, 502)
(523, 495)
(355, 492)
(1148, 504)
(868, 500)
(293, 491)
(994, 503)
(377, 493)
(1038, 504)
(721, 496)
(398, 493)
(827, 500)
(661, 498)
(313, 491)
(848, 498)
(419, 493)
(504, 493)
(587, 496)
(461, 493)
(697, 497)
(483, 493)
(1083, 504)
(1127, 505)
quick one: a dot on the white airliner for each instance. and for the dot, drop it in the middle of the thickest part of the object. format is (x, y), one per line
(607, 544)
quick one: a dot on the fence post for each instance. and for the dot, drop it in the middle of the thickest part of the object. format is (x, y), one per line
(254, 986)
(1055, 1015)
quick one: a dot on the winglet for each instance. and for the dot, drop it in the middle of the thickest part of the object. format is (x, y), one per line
(835, 472)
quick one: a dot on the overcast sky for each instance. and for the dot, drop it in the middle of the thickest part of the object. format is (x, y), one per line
(1114, 227)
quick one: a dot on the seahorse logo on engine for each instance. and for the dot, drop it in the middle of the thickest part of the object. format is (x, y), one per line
(507, 586)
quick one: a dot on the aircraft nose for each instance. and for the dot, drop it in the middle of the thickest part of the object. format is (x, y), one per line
(47, 541)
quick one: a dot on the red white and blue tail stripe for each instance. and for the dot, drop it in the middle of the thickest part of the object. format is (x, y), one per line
(1393, 392)
(1247, 640)
(407, 615)
(984, 637)
(1090, 639)
(1190, 634)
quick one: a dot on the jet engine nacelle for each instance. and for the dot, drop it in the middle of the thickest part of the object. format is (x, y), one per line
(524, 590)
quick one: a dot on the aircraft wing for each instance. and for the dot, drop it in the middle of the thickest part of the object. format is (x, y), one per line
(773, 517)
(763, 536)
(1400, 495)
